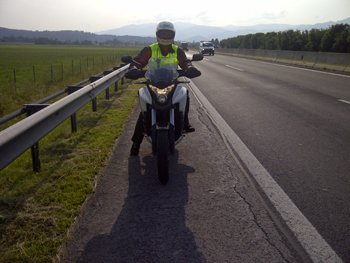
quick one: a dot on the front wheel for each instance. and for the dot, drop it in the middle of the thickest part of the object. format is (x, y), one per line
(162, 156)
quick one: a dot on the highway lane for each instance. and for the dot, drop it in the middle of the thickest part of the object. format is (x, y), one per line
(297, 124)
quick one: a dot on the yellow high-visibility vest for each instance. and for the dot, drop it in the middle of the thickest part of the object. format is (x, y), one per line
(156, 52)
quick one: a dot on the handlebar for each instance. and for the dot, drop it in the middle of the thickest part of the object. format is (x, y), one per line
(142, 72)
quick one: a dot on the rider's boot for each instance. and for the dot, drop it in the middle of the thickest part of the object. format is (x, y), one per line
(135, 148)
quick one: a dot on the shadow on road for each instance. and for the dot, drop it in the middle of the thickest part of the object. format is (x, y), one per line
(152, 224)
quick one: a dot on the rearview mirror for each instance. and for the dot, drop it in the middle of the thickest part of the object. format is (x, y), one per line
(126, 59)
(197, 57)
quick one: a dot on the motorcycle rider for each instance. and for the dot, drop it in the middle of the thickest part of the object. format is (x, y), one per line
(163, 48)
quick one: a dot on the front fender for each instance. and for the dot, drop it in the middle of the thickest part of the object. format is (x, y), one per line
(180, 96)
(145, 98)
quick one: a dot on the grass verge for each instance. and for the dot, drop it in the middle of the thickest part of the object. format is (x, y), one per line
(55, 68)
(37, 209)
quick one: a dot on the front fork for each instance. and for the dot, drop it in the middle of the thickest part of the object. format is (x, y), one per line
(169, 127)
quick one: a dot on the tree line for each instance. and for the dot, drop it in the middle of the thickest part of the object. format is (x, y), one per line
(334, 39)
(51, 41)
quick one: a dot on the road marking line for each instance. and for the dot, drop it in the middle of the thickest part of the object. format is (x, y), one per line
(313, 70)
(313, 243)
(345, 101)
(234, 68)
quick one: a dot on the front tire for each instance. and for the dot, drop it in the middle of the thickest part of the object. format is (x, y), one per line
(162, 156)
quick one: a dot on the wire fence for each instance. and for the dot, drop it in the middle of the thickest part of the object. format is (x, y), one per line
(56, 71)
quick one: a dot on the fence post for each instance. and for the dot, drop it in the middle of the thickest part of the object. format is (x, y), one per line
(14, 74)
(51, 74)
(34, 73)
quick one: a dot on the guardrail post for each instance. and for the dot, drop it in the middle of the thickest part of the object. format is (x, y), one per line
(73, 118)
(31, 109)
(94, 104)
(94, 101)
(35, 157)
(107, 94)
(116, 86)
(73, 122)
(28, 132)
(106, 72)
(116, 83)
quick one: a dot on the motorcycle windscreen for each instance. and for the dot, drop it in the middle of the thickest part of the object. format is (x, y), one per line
(162, 69)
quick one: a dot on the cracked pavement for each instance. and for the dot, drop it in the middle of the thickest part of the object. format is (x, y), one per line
(208, 211)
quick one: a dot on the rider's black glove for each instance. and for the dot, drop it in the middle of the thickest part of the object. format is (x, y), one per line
(192, 72)
(133, 74)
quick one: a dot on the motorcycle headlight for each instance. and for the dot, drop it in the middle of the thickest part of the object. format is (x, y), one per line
(162, 94)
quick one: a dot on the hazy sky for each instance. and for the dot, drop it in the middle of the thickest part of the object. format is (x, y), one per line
(99, 15)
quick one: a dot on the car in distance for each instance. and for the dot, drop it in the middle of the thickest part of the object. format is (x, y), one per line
(184, 46)
(206, 48)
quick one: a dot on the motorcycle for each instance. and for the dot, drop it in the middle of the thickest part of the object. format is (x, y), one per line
(163, 102)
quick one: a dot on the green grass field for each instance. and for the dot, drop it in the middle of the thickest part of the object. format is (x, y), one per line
(38, 208)
(52, 68)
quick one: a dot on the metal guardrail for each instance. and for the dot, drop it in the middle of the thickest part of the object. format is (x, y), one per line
(25, 134)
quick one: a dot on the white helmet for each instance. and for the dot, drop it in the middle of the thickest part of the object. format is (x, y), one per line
(165, 33)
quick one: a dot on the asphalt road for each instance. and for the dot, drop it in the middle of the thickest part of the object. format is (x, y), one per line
(251, 119)
(208, 212)
(296, 122)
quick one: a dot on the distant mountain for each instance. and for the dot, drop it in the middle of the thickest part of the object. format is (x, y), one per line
(63, 35)
(190, 32)
(184, 31)
(71, 36)
(145, 33)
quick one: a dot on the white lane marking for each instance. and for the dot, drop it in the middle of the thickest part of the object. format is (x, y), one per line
(234, 68)
(345, 101)
(313, 243)
(313, 70)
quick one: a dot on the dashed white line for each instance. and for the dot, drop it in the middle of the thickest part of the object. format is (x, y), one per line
(313, 70)
(234, 68)
(345, 101)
